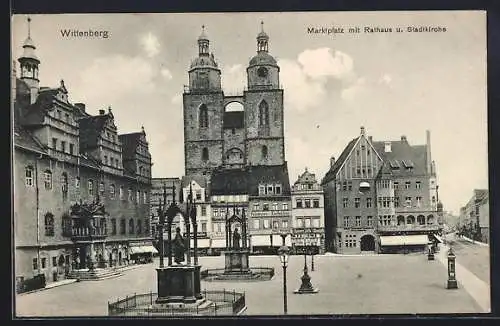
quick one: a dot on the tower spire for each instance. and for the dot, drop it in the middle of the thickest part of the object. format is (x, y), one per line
(262, 39)
(203, 42)
(29, 26)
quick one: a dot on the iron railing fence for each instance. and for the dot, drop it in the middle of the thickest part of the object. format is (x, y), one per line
(218, 303)
(265, 272)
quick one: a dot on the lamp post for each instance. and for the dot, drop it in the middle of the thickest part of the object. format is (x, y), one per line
(430, 253)
(311, 249)
(283, 253)
(452, 281)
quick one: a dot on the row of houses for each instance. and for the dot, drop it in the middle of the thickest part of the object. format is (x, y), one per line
(474, 218)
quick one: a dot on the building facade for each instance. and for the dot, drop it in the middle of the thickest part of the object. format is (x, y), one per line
(81, 190)
(308, 214)
(474, 217)
(222, 144)
(381, 196)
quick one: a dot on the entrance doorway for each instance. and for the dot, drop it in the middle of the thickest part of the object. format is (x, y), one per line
(367, 243)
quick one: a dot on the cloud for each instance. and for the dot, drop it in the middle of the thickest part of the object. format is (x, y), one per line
(150, 44)
(166, 73)
(351, 92)
(322, 62)
(385, 79)
(122, 75)
(234, 78)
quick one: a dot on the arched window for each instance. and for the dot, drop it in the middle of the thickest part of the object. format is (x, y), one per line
(29, 176)
(101, 188)
(204, 154)
(203, 116)
(264, 152)
(421, 220)
(64, 186)
(47, 179)
(263, 114)
(49, 225)
(139, 227)
(430, 219)
(131, 226)
(121, 192)
(112, 191)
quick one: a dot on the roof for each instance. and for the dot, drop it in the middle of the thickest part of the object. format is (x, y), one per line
(90, 129)
(404, 155)
(200, 180)
(35, 113)
(24, 139)
(306, 178)
(330, 175)
(88, 160)
(203, 61)
(481, 194)
(246, 180)
(234, 119)
(263, 58)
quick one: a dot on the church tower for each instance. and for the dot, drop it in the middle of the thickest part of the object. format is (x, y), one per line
(29, 63)
(203, 113)
(264, 108)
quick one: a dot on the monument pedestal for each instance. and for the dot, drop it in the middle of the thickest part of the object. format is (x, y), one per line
(237, 261)
(306, 286)
(179, 284)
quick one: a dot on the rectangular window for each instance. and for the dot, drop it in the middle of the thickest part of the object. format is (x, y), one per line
(346, 221)
(408, 201)
(284, 224)
(54, 261)
(407, 184)
(396, 201)
(275, 206)
(129, 194)
(270, 189)
(122, 226)
(349, 185)
(358, 221)
(47, 179)
(121, 192)
(29, 176)
(204, 227)
(101, 188)
(256, 224)
(368, 202)
(276, 225)
(418, 185)
(63, 146)
(256, 206)
(219, 227)
(356, 202)
(44, 262)
(369, 220)
(35, 263)
(307, 203)
(277, 189)
(285, 206)
(265, 207)
(396, 185)
(300, 222)
(345, 202)
(266, 224)
(198, 194)
(433, 199)
(113, 226)
(71, 149)
(419, 201)
(344, 185)
(262, 190)
(90, 185)
(316, 203)
(203, 210)
(54, 143)
(316, 222)
(215, 212)
(307, 222)
(298, 203)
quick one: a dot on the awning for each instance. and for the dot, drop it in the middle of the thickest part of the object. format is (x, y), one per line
(202, 243)
(404, 240)
(438, 238)
(142, 250)
(218, 243)
(261, 240)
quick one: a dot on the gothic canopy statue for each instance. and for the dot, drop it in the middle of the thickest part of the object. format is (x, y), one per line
(236, 239)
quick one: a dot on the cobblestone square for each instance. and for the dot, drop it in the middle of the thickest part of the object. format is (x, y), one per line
(379, 284)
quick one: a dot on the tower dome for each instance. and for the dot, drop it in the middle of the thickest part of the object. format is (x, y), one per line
(205, 59)
(263, 57)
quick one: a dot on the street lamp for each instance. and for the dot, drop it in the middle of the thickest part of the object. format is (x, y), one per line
(311, 249)
(430, 253)
(283, 253)
(452, 281)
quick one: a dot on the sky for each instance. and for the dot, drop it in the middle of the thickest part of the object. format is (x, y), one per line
(391, 83)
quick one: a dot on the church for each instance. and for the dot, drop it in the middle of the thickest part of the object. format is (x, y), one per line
(238, 155)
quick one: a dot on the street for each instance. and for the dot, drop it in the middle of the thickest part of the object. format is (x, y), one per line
(379, 284)
(472, 256)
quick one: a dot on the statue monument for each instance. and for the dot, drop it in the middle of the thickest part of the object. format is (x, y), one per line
(236, 254)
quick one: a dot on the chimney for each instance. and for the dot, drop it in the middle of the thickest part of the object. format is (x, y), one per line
(81, 106)
(387, 147)
(101, 112)
(430, 167)
(332, 161)
(403, 139)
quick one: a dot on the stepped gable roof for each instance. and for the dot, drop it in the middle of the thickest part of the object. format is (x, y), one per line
(268, 174)
(404, 155)
(90, 129)
(330, 175)
(234, 119)
(23, 138)
(229, 182)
